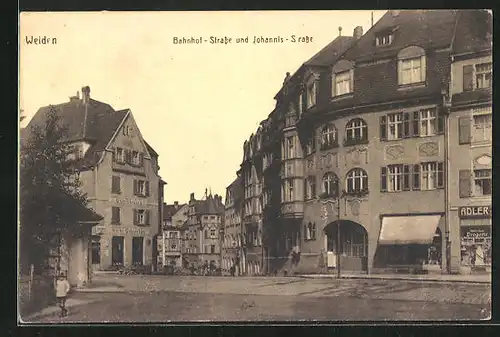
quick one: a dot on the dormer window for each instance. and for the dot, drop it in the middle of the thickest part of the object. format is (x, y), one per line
(384, 39)
(311, 93)
(342, 78)
(411, 66)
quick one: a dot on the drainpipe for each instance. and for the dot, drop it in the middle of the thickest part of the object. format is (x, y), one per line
(446, 105)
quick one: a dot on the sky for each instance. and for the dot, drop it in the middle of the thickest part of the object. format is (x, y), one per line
(195, 104)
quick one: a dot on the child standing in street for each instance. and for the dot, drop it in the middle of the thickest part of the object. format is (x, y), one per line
(62, 289)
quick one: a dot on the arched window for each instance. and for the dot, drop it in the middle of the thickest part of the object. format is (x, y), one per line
(357, 181)
(356, 132)
(330, 184)
(328, 136)
(411, 66)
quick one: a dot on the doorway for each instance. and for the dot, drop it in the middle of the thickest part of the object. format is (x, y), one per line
(117, 250)
(137, 250)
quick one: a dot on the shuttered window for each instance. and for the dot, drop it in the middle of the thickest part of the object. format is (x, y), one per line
(383, 128)
(440, 175)
(464, 130)
(468, 77)
(406, 125)
(464, 183)
(383, 179)
(416, 124)
(416, 177)
(115, 184)
(406, 177)
(115, 215)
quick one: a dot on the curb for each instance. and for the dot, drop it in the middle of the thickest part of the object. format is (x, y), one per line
(32, 319)
(394, 279)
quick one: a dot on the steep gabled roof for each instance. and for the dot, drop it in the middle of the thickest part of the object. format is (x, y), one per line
(169, 210)
(95, 123)
(211, 205)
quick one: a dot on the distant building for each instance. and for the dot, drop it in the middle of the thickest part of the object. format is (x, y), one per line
(119, 171)
(170, 241)
(232, 254)
(202, 232)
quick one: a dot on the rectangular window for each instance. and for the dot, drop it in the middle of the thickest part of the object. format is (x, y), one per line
(290, 149)
(343, 83)
(483, 75)
(212, 249)
(115, 185)
(482, 128)
(115, 215)
(395, 178)
(135, 158)
(416, 177)
(310, 187)
(311, 94)
(120, 155)
(482, 182)
(428, 122)
(411, 71)
(428, 176)
(406, 177)
(289, 186)
(395, 126)
(141, 217)
(384, 40)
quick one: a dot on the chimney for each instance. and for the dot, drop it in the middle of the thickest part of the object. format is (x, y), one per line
(86, 94)
(75, 98)
(395, 13)
(287, 76)
(176, 204)
(191, 198)
(358, 32)
(340, 31)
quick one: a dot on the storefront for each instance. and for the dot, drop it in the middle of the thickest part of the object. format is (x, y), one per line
(412, 241)
(475, 238)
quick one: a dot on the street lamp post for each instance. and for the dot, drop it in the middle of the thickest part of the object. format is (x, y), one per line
(338, 232)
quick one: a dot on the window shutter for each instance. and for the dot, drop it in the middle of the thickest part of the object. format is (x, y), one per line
(440, 121)
(351, 80)
(146, 186)
(136, 187)
(468, 77)
(135, 217)
(464, 130)
(400, 72)
(147, 215)
(406, 177)
(334, 87)
(141, 159)
(114, 184)
(423, 68)
(416, 177)
(305, 232)
(464, 183)
(400, 129)
(114, 155)
(383, 179)
(416, 124)
(316, 90)
(440, 175)
(383, 128)
(406, 124)
(313, 236)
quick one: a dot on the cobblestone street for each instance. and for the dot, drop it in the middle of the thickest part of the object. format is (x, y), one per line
(162, 298)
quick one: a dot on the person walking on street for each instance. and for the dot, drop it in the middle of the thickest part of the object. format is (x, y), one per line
(62, 290)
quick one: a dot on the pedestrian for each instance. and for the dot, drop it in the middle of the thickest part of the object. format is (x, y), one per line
(233, 270)
(62, 290)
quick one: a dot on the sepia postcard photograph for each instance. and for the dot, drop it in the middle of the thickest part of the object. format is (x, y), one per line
(255, 166)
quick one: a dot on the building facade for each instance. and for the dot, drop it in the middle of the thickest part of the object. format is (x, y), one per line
(361, 131)
(119, 171)
(170, 242)
(202, 234)
(470, 141)
(232, 243)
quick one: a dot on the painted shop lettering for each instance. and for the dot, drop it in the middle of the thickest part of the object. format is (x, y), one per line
(475, 211)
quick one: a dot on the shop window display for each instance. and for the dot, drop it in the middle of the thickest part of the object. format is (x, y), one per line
(476, 243)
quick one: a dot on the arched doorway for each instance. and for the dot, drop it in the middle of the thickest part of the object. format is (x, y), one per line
(353, 247)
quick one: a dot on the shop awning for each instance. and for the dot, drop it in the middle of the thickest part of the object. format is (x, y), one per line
(404, 230)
